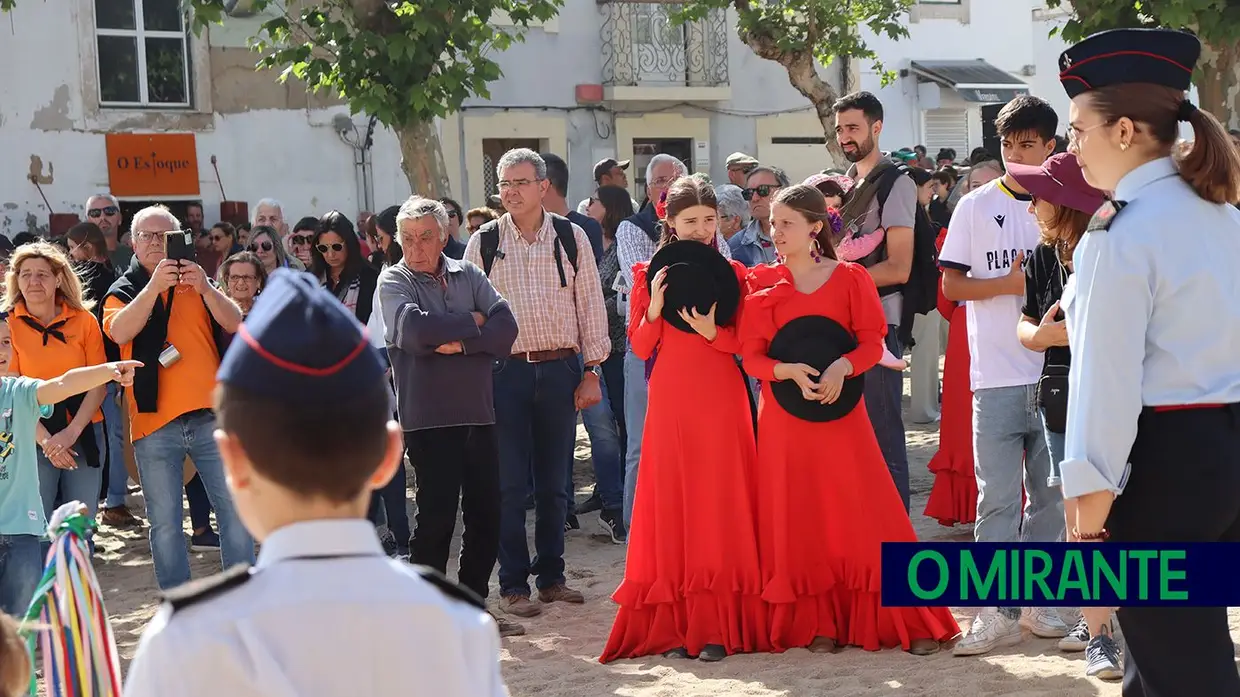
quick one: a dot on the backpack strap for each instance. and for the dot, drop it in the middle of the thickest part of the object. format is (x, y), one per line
(564, 237)
(488, 245)
(886, 184)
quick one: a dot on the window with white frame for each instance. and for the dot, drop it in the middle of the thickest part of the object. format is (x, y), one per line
(142, 52)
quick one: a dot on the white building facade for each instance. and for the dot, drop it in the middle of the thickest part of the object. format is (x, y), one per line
(128, 102)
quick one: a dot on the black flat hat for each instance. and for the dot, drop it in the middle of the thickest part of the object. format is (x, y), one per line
(1156, 56)
(697, 276)
(815, 341)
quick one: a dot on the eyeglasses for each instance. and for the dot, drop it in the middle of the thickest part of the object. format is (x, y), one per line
(662, 182)
(505, 184)
(299, 239)
(99, 212)
(335, 247)
(1075, 132)
(242, 277)
(265, 245)
(762, 190)
(148, 236)
(216, 238)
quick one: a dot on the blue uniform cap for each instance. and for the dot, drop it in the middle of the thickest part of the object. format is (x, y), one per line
(1163, 57)
(300, 343)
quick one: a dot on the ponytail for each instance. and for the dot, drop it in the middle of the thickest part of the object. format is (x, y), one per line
(1212, 166)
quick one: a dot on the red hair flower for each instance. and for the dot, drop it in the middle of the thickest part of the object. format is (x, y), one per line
(660, 208)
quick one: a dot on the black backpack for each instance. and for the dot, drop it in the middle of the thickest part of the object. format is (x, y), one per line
(488, 246)
(921, 291)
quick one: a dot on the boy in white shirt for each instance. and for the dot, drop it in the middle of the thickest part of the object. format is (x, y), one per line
(990, 235)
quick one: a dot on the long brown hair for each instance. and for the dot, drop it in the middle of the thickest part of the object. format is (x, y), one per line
(1064, 231)
(69, 290)
(683, 194)
(617, 207)
(809, 202)
(88, 233)
(1211, 167)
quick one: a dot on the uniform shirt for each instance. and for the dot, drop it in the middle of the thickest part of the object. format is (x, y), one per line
(21, 506)
(990, 227)
(73, 340)
(549, 317)
(1153, 313)
(359, 624)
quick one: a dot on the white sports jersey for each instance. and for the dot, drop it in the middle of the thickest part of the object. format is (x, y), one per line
(990, 227)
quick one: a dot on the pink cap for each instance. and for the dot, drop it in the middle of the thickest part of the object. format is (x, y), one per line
(1058, 180)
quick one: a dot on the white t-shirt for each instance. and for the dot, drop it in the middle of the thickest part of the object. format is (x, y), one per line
(989, 227)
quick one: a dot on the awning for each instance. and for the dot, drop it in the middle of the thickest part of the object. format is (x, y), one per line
(974, 80)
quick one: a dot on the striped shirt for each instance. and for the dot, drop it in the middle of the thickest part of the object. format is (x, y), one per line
(548, 317)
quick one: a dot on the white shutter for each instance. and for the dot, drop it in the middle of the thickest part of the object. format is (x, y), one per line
(947, 128)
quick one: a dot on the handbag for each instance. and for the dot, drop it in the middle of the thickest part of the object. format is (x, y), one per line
(1053, 397)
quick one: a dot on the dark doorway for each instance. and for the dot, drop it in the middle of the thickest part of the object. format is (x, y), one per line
(644, 150)
(129, 208)
(990, 135)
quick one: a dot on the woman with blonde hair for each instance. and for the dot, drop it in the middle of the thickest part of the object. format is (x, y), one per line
(53, 331)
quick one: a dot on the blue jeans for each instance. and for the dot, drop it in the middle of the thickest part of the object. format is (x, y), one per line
(634, 423)
(1054, 446)
(1007, 430)
(199, 504)
(606, 450)
(884, 389)
(21, 567)
(536, 421)
(161, 465)
(118, 476)
(613, 376)
(57, 486)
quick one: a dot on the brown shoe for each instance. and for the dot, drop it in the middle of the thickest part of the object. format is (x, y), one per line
(119, 517)
(561, 593)
(924, 647)
(507, 627)
(519, 605)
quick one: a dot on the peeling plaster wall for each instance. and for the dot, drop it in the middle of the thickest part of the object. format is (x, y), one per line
(270, 140)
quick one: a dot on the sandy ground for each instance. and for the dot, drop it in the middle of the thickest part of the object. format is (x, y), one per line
(558, 656)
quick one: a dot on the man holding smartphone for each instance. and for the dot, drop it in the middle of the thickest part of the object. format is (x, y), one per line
(164, 311)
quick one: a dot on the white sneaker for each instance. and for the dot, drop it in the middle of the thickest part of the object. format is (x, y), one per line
(990, 630)
(1045, 622)
(1077, 639)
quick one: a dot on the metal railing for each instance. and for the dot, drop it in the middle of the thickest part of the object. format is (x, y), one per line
(644, 45)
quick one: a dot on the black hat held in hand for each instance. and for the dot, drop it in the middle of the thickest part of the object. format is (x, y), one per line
(816, 341)
(697, 276)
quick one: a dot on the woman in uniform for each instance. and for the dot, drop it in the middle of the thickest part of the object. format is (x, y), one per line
(1152, 451)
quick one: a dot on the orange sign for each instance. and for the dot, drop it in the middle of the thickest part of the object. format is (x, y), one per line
(152, 164)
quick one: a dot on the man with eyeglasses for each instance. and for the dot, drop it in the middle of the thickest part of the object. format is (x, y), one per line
(753, 245)
(171, 317)
(105, 211)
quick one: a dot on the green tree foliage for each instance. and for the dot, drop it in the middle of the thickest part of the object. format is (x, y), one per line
(802, 35)
(1216, 22)
(406, 63)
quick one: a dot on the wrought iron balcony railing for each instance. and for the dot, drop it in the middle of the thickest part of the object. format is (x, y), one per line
(643, 46)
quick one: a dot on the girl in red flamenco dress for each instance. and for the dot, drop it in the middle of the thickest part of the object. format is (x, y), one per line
(692, 586)
(953, 499)
(825, 499)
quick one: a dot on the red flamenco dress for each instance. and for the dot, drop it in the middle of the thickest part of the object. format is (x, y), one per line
(688, 582)
(953, 499)
(826, 501)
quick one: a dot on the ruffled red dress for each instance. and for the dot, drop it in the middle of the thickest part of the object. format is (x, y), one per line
(953, 498)
(826, 501)
(692, 575)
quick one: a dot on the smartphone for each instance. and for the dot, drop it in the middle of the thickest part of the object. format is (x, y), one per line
(177, 246)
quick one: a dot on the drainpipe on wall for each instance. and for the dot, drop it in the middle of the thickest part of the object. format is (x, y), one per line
(463, 194)
(368, 171)
(349, 134)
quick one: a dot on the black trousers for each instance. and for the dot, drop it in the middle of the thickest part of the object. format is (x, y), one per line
(1184, 487)
(451, 463)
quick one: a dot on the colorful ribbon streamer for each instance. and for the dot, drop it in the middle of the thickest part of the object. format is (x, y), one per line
(68, 622)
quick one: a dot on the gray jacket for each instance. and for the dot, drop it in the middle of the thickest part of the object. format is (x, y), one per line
(422, 312)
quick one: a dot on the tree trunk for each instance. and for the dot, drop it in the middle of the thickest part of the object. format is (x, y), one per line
(803, 74)
(1218, 87)
(421, 159)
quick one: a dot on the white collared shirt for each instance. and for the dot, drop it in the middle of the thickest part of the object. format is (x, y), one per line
(357, 625)
(1153, 312)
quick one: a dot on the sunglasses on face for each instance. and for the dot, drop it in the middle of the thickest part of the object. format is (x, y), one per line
(300, 239)
(99, 212)
(265, 245)
(216, 238)
(454, 215)
(335, 247)
(762, 190)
